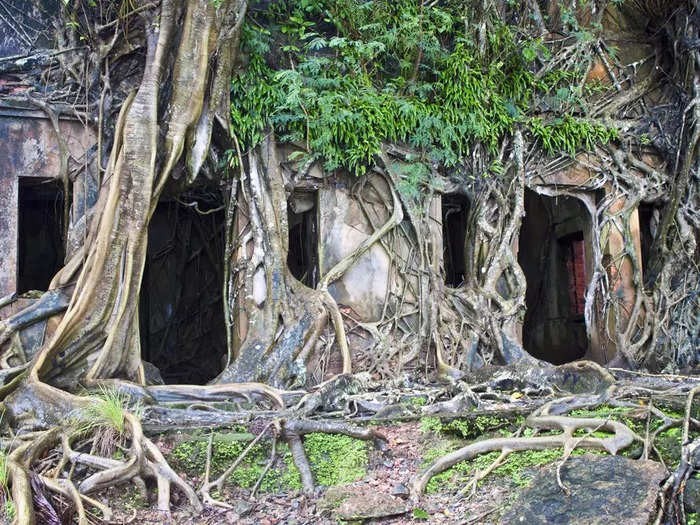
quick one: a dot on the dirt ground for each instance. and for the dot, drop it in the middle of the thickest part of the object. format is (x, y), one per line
(389, 472)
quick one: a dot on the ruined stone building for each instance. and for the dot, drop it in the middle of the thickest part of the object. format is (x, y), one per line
(182, 317)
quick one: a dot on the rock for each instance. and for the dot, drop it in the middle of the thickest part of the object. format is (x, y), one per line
(691, 496)
(400, 490)
(152, 374)
(605, 490)
(371, 505)
(395, 410)
(353, 503)
(335, 496)
(242, 507)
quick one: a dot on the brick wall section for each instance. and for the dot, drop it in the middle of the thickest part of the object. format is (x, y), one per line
(576, 266)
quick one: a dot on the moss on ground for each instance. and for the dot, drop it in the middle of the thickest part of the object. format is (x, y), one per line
(459, 432)
(334, 460)
(668, 443)
(515, 467)
(467, 428)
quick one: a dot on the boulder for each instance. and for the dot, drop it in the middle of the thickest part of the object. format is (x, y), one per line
(691, 496)
(604, 490)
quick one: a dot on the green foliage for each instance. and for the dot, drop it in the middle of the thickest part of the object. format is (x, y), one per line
(430, 424)
(669, 445)
(8, 510)
(4, 474)
(418, 401)
(465, 428)
(342, 77)
(420, 514)
(190, 457)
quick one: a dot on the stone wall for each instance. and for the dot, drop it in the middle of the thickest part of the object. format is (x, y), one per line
(29, 148)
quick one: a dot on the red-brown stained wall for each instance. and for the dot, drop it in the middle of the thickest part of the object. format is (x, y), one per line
(28, 148)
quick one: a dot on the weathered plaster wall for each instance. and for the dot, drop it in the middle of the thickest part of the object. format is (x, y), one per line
(25, 25)
(342, 228)
(28, 148)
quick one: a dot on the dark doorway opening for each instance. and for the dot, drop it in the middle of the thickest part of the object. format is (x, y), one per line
(455, 211)
(181, 310)
(648, 222)
(302, 258)
(552, 254)
(41, 232)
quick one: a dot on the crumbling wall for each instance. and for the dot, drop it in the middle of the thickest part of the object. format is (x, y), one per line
(29, 147)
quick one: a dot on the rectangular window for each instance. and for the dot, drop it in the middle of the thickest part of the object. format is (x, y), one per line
(455, 211)
(41, 231)
(302, 258)
(576, 270)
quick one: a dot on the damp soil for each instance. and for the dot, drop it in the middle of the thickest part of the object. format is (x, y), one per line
(389, 472)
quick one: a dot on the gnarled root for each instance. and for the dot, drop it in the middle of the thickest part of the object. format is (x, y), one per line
(220, 392)
(622, 438)
(144, 460)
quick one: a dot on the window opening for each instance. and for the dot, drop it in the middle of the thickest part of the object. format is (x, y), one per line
(182, 318)
(455, 211)
(41, 248)
(302, 258)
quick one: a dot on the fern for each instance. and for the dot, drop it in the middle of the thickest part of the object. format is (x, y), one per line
(354, 74)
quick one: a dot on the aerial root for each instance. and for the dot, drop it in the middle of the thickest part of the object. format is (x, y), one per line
(622, 437)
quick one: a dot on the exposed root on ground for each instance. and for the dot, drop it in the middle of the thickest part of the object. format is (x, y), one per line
(294, 430)
(622, 438)
(143, 461)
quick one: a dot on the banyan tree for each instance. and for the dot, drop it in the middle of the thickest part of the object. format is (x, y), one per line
(432, 188)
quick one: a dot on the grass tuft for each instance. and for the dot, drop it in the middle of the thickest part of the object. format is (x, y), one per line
(107, 412)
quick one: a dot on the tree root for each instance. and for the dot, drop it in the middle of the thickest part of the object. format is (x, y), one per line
(218, 483)
(622, 438)
(294, 430)
(671, 493)
(220, 392)
(145, 461)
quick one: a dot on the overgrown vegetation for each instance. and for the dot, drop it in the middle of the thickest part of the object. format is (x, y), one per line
(334, 459)
(459, 432)
(342, 78)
